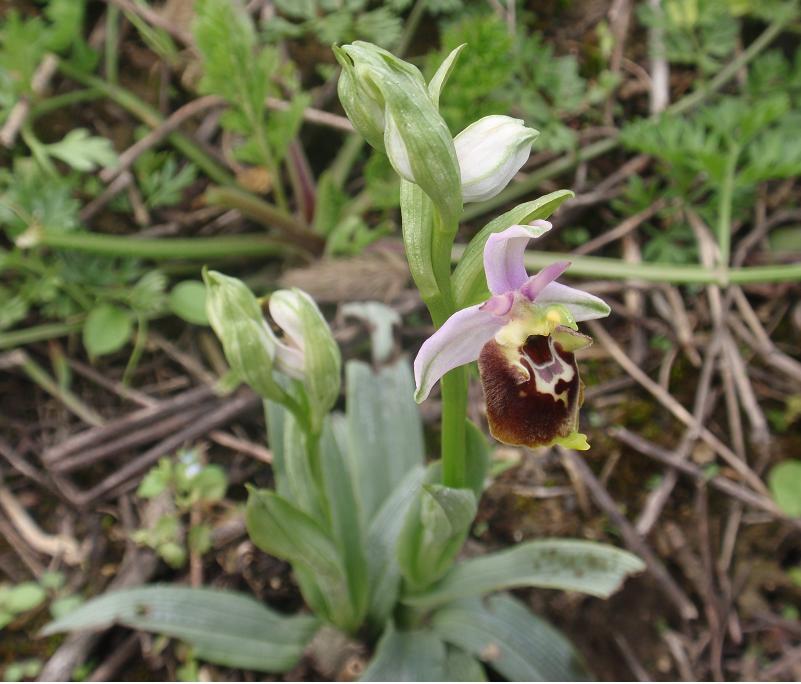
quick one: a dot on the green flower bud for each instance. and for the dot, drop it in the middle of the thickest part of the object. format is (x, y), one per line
(362, 101)
(249, 345)
(307, 334)
(389, 103)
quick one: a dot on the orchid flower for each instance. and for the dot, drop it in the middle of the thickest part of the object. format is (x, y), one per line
(524, 338)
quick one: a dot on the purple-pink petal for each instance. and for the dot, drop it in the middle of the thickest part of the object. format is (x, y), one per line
(499, 304)
(458, 341)
(537, 283)
(503, 256)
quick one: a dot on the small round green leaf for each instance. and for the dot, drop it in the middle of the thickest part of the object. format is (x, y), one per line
(23, 597)
(107, 329)
(784, 481)
(188, 301)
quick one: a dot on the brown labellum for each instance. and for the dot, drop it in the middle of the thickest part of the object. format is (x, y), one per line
(533, 393)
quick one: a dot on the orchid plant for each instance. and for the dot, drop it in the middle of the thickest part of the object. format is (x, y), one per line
(372, 532)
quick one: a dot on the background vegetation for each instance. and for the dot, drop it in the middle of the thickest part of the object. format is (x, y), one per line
(140, 141)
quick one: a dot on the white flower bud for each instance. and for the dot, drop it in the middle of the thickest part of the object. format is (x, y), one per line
(397, 151)
(308, 347)
(491, 151)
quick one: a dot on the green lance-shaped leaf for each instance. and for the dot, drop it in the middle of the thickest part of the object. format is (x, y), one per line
(222, 627)
(434, 531)
(407, 656)
(469, 282)
(282, 530)
(502, 632)
(566, 564)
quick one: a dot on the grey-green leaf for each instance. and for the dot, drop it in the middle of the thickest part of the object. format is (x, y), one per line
(407, 656)
(286, 532)
(385, 430)
(566, 564)
(433, 532)
(469, 282)
(510, 639)
(223, 627)
(382, 536)
(188, 301)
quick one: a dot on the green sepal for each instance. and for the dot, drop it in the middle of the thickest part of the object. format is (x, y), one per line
(248, 343)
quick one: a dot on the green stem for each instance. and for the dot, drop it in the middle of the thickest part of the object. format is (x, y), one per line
(38, 333)
(454, 413)
(112, 43)
(596, 149)
(454, 384)
(197, 248)
(616, 269)
(55, 102)
(138, 350)
(725, 207)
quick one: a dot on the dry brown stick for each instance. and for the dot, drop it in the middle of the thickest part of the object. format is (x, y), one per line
(9, 533)
(633, 540)
(244, 446)
(22, 465)
(761, 341)
(724, 484)
(155, 136)
(137, 419)
(657, 499)
(312, 115)
(19, 112)
(118, 185)
(675, 407)
(137, 568)
(146, 434)
(788, 660)
(713, 608)
(623, 228)
(121, 480)
(679, 653)
(631, 658)
(115, 386)
(56, 546)
(110, 667)
(151, 16)
(660, 70)
(189, 362)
